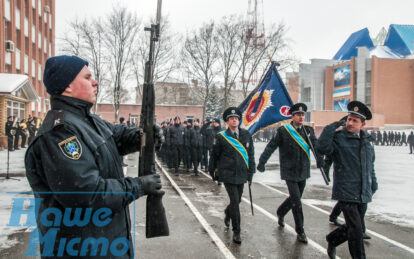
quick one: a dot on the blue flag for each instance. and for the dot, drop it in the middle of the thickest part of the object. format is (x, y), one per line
(267, 105)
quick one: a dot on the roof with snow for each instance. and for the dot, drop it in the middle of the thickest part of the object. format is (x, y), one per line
(10, 83)
(400, 39)
(398, 43)
(360, 38)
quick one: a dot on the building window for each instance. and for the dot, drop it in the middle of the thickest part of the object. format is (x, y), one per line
(33, 33)
(8, 58)
(39, 105)
(45, 46)
(7, 11)
(39, 7)
(33, 106)
(39, 74)
(33, 68)
(46, 103)
(34, 3)
(17, 59)
(26, 64)
(17, 19)
(50, 21)
(16, 109)
(26, 27)
(39, 40)
(50, 49)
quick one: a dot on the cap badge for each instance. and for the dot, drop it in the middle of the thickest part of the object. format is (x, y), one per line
(300, 108)
(356, 108)
(233, 111)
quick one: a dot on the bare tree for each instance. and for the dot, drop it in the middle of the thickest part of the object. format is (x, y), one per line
(87, 41)
(254, 59)
(121, 31)
(229, 45)
(199, 59)
(165, 55)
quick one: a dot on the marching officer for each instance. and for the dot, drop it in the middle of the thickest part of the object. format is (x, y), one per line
(204, 133)
(232, 162)
(354, 178)
(188, 124)
(176, 137)
(196, 145)
(410, 140)
(295, 164)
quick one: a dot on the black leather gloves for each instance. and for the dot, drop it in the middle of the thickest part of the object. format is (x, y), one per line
(261, 167)
(341, 122)
(151, 184)
(159, 137)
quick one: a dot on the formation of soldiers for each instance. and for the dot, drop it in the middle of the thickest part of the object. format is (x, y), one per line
(189, 143)
(390, 138)
(20, 132)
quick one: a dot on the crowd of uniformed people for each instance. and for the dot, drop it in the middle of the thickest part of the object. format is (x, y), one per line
(188, 143)
(87, 153)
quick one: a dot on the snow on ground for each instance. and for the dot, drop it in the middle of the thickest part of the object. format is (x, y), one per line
(394, 168)
(392, 202)
(6, 203)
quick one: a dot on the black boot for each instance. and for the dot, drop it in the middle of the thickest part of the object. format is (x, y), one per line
(236, 238)
(281, 221)
(331, 251)
(365, 236)
(227, 220)
(302, 238)
(334, 221)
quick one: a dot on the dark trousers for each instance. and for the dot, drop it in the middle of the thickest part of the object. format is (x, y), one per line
(24, 138)
(177, 151)
(204, 158)
(335, 211)
(411, 148)
(187, 157)
(16, 141)
(293, 202)
(195, 157)
(352, 229)
(235, 192)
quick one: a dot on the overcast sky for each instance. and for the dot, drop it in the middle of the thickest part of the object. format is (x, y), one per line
(318, 28)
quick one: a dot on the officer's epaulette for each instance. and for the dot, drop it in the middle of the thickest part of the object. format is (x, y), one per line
(53, 119)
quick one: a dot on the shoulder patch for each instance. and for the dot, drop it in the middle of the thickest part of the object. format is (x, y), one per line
(71, 148)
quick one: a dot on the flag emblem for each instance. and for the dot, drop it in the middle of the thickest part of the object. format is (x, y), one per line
(249, 115)
(284, 111)
(267, 105)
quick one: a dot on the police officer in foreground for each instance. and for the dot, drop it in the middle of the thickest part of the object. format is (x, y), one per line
(294, 155)
(78, 153)
(354, 178)
(232, 162)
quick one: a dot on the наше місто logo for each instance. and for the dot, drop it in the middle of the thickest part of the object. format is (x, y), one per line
(62, 231)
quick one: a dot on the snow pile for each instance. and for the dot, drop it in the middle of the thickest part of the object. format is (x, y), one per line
(6, 203)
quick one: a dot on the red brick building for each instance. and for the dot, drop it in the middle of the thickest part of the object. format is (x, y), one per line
(163, 112)
(27, 39)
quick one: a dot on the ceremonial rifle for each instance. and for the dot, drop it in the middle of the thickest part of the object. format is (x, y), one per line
(156, 221)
